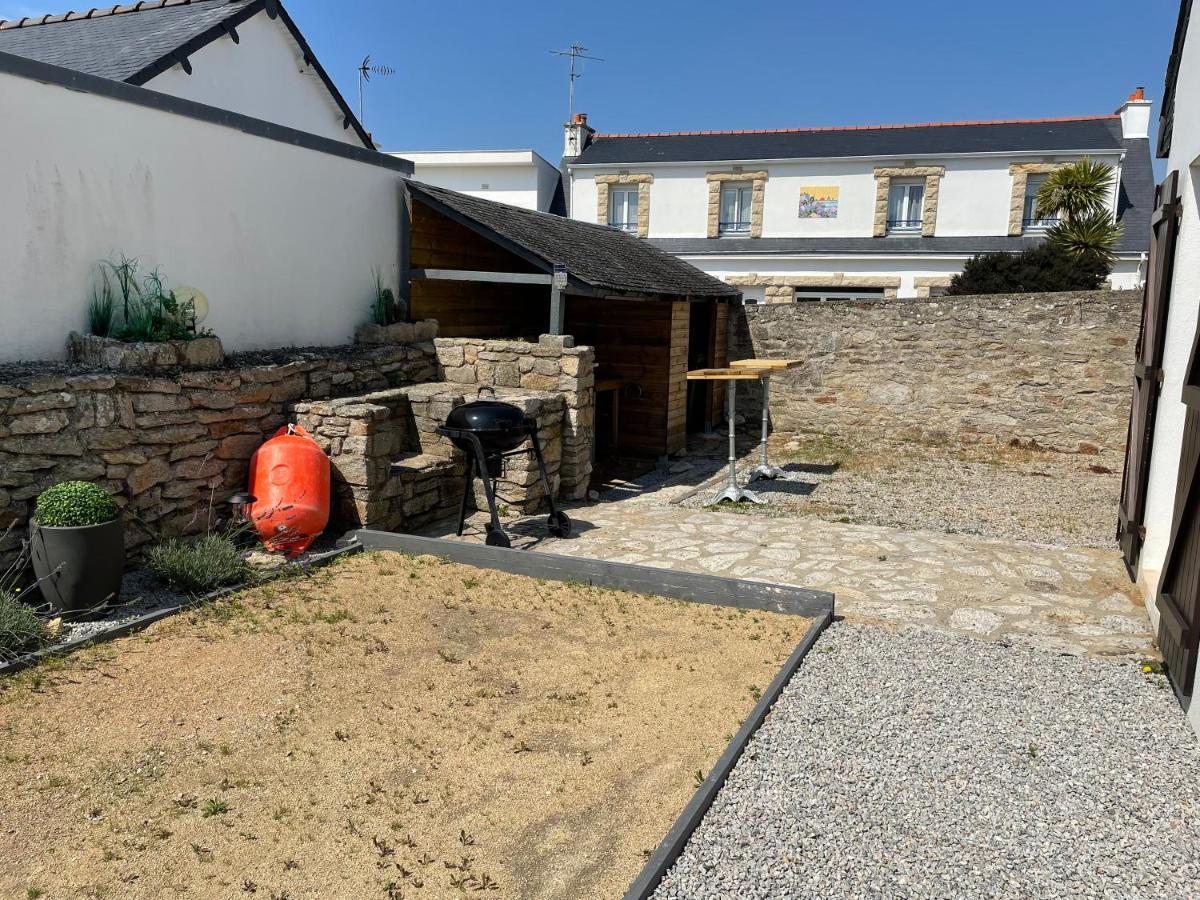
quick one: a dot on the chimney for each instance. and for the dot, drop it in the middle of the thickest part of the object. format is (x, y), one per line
(578, 134)
(1135, 115)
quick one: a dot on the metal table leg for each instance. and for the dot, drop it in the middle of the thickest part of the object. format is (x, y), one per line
(731, 491)
(764, 469)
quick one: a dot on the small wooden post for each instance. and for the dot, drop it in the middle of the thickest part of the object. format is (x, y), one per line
(558, 312)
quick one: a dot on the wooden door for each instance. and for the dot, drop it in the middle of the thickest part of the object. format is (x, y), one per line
(1147, 376)
(1179, 590)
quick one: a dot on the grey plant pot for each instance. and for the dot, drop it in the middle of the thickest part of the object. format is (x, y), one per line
(92, 560)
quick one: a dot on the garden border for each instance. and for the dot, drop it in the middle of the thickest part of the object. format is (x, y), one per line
(145, 621)
(818, 605)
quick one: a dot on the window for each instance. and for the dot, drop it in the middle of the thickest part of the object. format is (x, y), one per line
(1033, 219)
(736, 199)
(906, 201)
(623, 208)
(825, 294)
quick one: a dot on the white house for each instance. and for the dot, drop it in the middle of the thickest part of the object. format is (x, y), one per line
(858, 212)
(246, 56)
(1160, 507)
(516, 177)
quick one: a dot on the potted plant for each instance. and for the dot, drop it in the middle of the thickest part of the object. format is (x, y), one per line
(78, 546)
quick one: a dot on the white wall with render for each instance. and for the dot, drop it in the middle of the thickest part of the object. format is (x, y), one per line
(973, 200)
(263, 76)
(517, 177)
(1181, 329)
(281, 239)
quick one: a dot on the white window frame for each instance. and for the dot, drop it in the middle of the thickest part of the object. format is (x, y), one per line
(912, 225)
(1030, 221)
(618, 202)
(824, 295)
(743, 206)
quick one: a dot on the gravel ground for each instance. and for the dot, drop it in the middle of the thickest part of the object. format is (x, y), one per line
(916, 764)
(1059, 499)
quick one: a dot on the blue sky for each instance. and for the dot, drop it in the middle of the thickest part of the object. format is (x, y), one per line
(474, 74)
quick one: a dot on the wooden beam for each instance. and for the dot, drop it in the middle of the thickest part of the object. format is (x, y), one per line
(558, 311)
(465, 275)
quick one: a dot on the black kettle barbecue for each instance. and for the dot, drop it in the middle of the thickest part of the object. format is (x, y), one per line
(488, 432)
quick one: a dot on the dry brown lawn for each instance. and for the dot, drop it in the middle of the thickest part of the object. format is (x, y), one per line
(391, 727)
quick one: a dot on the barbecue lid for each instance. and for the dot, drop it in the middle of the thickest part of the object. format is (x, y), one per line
(486, 415)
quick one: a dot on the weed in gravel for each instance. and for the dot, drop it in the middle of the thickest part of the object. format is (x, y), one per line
(214, 807)
(755, 692)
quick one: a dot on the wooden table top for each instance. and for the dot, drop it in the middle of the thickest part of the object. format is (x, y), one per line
(775, 364)
(742, 373)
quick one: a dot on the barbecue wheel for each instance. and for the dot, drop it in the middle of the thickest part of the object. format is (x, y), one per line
(497, 539)
(559, 524)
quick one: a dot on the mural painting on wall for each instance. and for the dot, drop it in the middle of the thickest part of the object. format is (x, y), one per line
(819, 202)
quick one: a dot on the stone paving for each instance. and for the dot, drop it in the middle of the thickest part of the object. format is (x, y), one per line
(1070, 600)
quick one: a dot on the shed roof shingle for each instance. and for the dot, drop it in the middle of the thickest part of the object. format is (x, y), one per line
(596, 255)
(1050, 135)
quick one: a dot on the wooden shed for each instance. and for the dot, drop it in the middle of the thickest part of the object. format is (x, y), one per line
(486, 269)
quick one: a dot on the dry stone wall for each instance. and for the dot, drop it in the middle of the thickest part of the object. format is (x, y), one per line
(1052, 370)
(392, 471)
(553, 364)
(171, 447)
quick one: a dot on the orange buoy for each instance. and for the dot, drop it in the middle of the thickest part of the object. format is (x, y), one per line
(289, 478)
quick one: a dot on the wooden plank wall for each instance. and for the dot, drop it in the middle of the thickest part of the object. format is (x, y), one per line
(634, 339)
(469, 309)
(677, 377)
(716, 412)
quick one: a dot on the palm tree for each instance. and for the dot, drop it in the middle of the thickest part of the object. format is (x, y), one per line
(1078, 195)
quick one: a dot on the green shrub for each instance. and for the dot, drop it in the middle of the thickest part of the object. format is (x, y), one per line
(385, 310)
(1046, 267)
(20, 629)
(198, 566)
(75, 504)
(128, 310)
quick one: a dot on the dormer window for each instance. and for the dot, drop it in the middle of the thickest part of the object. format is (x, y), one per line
(1033, 219)
(736, 203)
(906, 201)
(623, 208)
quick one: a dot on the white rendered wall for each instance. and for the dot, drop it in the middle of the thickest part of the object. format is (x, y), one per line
(973, 200)
(515, 185)
(516, 177)
(1181, 329)
(282, 239)
(264, 76)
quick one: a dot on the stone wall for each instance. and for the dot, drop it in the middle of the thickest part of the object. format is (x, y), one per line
(1047, 369)
(552, 364)
(170, 446)
(392, 471)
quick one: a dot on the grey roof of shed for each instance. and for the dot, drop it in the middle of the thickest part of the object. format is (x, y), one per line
(595, 255)
(1032, 135)
(136, 42)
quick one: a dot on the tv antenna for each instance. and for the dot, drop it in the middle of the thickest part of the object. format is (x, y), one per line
(365, 71)
(576, 52)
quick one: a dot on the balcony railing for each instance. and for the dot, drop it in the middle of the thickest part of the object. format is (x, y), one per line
(733, 227)
(902, 225)
(624, 226)
(1038, 223)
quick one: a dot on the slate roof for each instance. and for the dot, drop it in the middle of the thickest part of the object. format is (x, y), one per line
(117, 42)
(135, 42)
(595, 255)
(1050, 135)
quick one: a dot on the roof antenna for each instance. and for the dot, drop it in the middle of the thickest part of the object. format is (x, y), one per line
(576, 52)
(365, 71)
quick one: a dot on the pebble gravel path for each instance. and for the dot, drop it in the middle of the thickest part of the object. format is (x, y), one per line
(913, 763)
